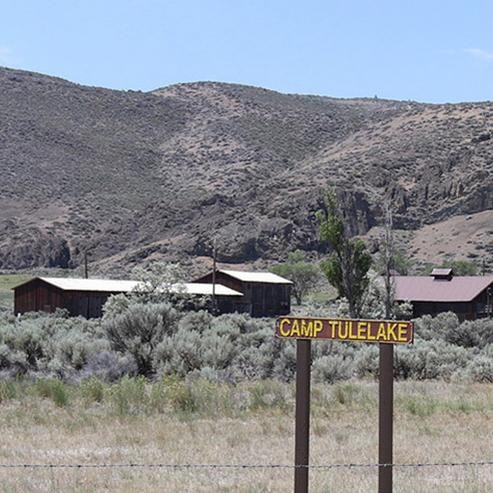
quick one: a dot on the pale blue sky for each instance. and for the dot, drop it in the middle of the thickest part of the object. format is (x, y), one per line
(425, 50)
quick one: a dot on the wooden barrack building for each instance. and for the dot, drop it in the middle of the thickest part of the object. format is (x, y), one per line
(86, 297)
(264, 294)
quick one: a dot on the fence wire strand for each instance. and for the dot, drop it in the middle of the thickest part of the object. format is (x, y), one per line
(243, 466)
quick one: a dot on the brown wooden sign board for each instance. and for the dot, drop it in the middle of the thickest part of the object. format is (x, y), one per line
(384, 331)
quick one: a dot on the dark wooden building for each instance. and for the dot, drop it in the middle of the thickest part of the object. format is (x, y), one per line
(227, 299)
(469, 297)
(86, 297)
(264, 294)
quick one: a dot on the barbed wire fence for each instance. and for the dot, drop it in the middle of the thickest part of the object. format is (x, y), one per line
(170, 466)
(149, 476)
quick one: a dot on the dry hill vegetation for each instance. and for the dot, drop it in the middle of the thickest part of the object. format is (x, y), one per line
(137, 176)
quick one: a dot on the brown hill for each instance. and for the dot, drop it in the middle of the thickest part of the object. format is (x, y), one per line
(134, 175)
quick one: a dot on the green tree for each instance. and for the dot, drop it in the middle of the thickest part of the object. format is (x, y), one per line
(461, 267)
(346, 267)
(303, 274)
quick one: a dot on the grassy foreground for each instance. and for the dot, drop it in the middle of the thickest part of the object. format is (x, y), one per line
(47, 422)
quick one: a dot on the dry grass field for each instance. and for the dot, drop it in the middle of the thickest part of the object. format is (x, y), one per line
(246, 424)
(7, 282)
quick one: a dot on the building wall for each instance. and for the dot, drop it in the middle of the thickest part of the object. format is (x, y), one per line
(471, 310)
(88, 304)
(37, 296)
(259, 299)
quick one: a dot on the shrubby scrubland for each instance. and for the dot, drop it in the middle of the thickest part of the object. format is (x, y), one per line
(156, 340)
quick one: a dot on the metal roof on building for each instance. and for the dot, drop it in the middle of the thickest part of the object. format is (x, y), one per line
(267, 277)
(103, 285)
(429, 289)
(115, 286)
(200, 288)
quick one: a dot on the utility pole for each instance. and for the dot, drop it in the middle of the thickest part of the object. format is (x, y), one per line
(489, 308)
(214, 260)
(86, 276)
(86, 270)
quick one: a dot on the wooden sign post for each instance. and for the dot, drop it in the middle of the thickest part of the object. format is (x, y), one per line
(302, 418)
(384, 332)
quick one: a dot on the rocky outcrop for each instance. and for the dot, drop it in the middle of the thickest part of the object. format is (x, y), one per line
(34, 249)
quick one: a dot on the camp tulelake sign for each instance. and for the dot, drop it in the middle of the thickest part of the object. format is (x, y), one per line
(385, 331)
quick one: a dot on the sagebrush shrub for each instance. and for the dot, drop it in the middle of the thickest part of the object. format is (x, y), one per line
(332, 369)
(471, 333)
(430, 359)
(109, 366)
(139, 330)
(429, 328)
(157, 339)
(480, 369)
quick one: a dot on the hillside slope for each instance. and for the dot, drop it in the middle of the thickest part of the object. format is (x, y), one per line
(134, 175)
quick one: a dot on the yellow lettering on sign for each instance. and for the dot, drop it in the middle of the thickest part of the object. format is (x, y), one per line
(362, 331)
(382, 333)
(353, 334)
(402, 332)
(295, 329)
(369, 336)
(343, 330)
(333, 324)
(306, 328)
(391, 332)
(352, 330)
(284, 332)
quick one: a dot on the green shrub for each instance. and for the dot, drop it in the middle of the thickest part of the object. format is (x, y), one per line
(217, 351)
(180, 395)
(27, 338)
(421, 406)
(8, 391)
(430, 328)
(129, 396)
(430, 359)
(92, 390)
(13, 361)
(332, 369)
(53, 389)
(139, 330)
(197, 321)
(480, 369)
(346, 394)
(109, 366)
(366, 361)
(269, 394)
(471, 333)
